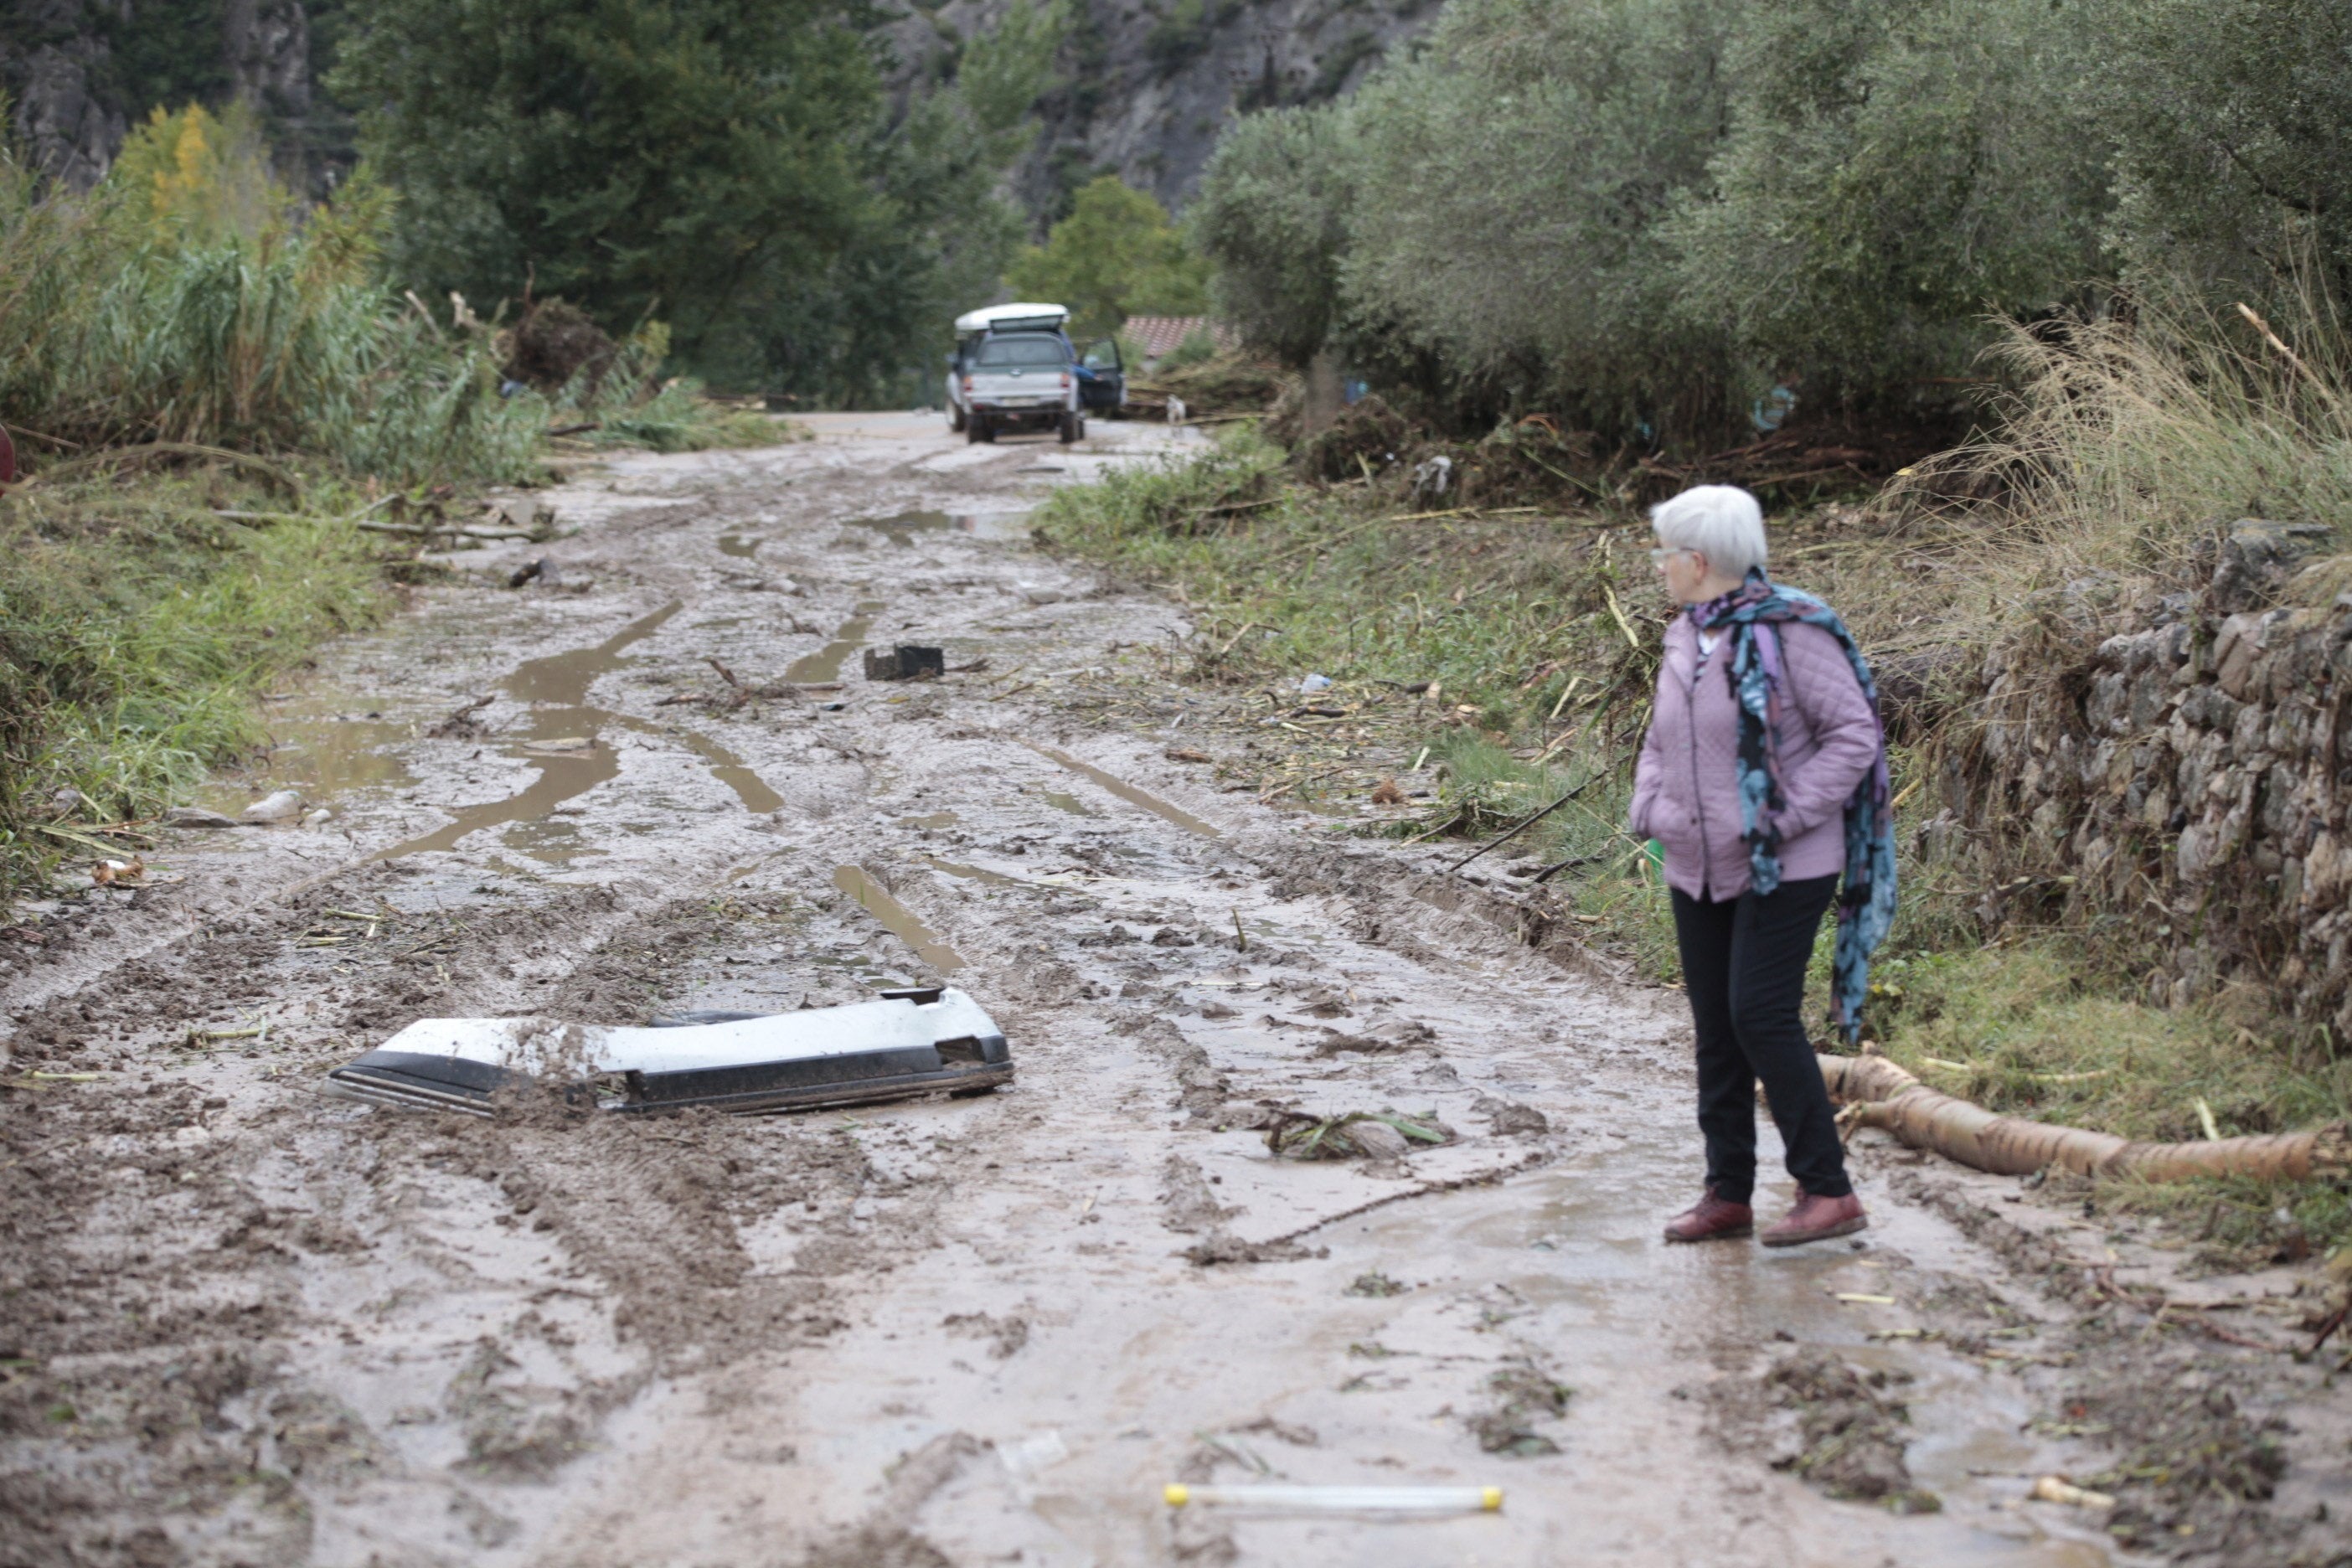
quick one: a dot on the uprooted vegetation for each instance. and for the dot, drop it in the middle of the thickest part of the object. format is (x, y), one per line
(2062, 951)
(135, 624)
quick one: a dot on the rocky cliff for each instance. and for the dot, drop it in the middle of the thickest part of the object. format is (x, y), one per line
(79, 72)
(1144, 86)
(1148, 85)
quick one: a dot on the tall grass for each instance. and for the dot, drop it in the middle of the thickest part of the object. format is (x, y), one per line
(2126, 436)
(121, 322)
(134, 626)
(190, 302)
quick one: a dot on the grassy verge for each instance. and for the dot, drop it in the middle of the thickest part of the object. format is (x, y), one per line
(1518, 624)
(135, 626)
(1535, 628)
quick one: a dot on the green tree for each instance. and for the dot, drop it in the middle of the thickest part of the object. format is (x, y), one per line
(936, 237)
(698, 157)
(1894, 172)
(1004, 72)
(2233, 128)
(1271, 216)
(1513, 181)
(1116, 255)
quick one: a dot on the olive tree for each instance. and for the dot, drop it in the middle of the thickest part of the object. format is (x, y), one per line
(1514, 182)
(2233, 128)
(1272, 215)
(1894, 173)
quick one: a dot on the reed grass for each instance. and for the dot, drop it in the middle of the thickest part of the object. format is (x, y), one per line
(280, 341)
(189, 300)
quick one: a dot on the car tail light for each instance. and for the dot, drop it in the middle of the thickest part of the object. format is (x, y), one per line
(966, 387)
(1066, 381)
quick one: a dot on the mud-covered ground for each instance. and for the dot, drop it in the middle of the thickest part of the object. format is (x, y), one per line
(247, 1323)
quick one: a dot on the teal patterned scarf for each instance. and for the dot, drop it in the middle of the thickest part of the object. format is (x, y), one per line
(1865, 906)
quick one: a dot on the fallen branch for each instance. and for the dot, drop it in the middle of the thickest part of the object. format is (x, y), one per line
(1530, 1161)
(59, 442)
(432, 530)
(1241, 634)
(1523, 825)
(1452, 822)
(1880, 1094)
(115, 457)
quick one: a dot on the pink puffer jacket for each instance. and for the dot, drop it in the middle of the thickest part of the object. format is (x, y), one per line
(1687, 786)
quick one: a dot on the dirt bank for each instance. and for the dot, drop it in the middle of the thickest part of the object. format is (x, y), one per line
(250, 1324)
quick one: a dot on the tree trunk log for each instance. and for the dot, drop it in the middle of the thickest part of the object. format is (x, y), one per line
(1881, 1094)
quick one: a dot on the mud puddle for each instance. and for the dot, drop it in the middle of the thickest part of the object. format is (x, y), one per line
(323, 744)
(973, 873)
(825, 664)
(728, 769)
(563, 738)
(902, 529)
(570, 744)
(901, 920)
(1129, 793)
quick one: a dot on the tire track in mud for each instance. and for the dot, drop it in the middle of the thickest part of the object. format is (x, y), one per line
(363, 1337)
(171, 1320)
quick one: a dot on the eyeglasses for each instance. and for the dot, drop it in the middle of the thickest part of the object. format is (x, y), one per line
(1666, 553)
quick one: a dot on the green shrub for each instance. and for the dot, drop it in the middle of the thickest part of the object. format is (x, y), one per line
(2233, 121)
(1272, 213)
(123, 321)
(1637, 214)
(1512, 185)
(1894, 172)
(679, 418)
(1116, 256)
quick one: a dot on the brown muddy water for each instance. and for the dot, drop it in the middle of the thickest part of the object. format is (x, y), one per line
(278, 1329)
(825, 664)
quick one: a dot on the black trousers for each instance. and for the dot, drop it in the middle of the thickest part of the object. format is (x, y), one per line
(1743, 966)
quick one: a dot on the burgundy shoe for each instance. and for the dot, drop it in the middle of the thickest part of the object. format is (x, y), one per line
(1711, 1219)
(1817, 1218)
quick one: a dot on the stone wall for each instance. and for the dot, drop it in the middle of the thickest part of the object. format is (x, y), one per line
(2174, 773)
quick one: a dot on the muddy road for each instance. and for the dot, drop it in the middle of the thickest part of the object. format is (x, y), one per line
(249, 1323)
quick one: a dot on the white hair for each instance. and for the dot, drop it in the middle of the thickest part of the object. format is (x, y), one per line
(1722, 522)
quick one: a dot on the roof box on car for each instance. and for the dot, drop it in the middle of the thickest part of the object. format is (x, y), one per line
(1016, 317)
(919, 1041)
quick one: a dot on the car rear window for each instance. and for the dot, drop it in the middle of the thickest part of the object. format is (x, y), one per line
(998, 352)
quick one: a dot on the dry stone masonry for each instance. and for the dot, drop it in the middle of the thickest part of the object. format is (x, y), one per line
(2187, 779)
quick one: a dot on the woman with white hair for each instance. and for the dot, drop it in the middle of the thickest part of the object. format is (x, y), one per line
(1764, 777)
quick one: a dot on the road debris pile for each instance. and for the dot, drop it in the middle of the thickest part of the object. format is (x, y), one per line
(1376, 1135)
(1525, 1396)
(907, 661)
(1853, 1432)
